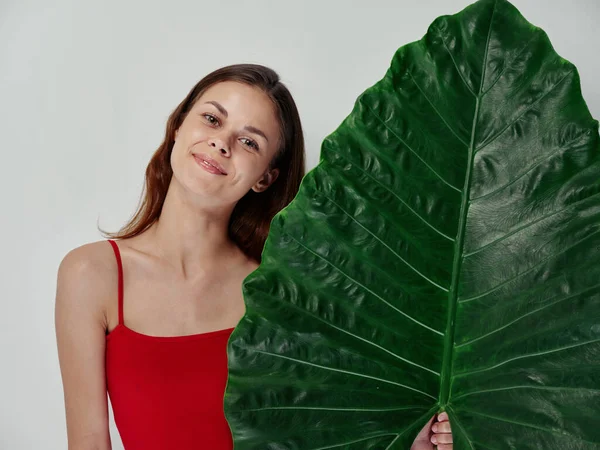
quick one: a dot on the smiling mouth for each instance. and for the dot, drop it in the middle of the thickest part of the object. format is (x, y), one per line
(209, 165)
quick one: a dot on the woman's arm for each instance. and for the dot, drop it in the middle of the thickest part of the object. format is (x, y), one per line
(80, 333)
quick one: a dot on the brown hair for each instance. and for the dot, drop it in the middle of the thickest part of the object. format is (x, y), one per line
(252, 215)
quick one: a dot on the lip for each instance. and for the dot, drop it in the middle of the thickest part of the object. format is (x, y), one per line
(209, 164)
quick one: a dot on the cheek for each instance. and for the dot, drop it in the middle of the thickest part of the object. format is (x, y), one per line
(178, 152)
(250, 168)
(189, 136)
(180, 156)
(184, 145)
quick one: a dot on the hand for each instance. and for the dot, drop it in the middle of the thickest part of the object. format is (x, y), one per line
(439, 434)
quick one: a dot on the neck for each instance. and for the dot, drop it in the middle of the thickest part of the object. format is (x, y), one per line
(191, 237)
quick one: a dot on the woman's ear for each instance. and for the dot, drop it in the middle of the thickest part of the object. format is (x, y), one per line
(267, 180)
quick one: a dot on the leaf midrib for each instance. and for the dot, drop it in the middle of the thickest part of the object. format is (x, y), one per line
(446, 372)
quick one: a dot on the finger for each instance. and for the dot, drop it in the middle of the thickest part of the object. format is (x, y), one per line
(441, 427)
(444, 447)
(442, 417)
(441, 439)
(425, 431)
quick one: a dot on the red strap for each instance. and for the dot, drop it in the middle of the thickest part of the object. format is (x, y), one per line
(120, 265)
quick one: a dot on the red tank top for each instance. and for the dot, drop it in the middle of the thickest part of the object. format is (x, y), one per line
(167, 392)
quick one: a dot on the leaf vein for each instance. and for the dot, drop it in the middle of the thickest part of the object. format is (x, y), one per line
(541, 161)
(436, 111)
(534, 35)
(347, 372)
(393, 193)
(529, 224)
(524, 112)
(460, 427)
(414, 269)
(530, 355)
(528, 270)
(358, 337)
(352, 442)
(548, 305)
(454, 62)
(528, 425)
(411, 149)
(508, 388)
(313, 408)
(366, 288)
(350, 334)
(392, 443)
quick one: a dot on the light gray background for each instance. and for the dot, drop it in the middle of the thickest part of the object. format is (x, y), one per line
(86, 88)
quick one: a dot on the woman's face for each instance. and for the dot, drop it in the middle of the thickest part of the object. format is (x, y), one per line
(224, 146)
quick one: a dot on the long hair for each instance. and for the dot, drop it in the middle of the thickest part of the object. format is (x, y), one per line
(252, 215)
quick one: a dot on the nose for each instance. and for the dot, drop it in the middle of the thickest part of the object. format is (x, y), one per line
(220, 145)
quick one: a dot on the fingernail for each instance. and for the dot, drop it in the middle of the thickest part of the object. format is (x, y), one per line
(434, 440)
(434, 428)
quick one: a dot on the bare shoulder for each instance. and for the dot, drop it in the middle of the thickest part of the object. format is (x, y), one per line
(93, 262)
(88, 275)
(84, 280)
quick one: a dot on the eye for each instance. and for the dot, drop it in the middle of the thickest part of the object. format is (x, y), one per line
(249, 143)
(212, 120)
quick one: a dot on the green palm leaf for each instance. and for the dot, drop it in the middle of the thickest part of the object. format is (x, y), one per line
(444, 255)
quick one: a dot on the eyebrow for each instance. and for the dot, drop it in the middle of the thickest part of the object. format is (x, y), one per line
(249, 128)
(255, 130)
(219, 107)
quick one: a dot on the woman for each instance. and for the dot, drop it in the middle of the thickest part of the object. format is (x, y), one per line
(148, 318)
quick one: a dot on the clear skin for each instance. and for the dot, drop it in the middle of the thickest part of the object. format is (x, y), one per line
(439, 434)
(174, 278)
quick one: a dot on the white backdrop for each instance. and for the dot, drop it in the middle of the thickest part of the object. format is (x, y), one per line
(86, 88)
